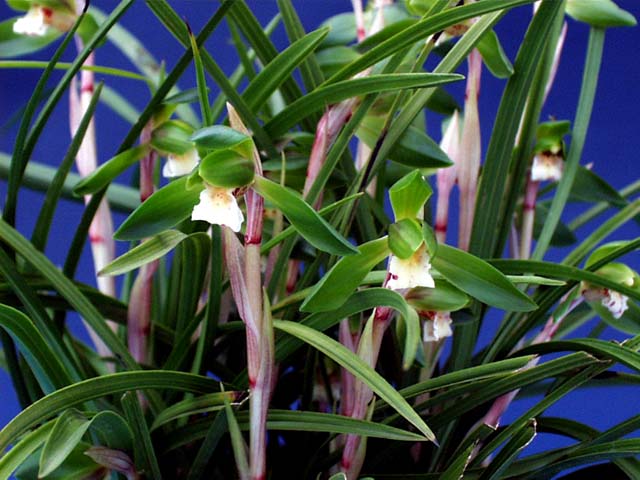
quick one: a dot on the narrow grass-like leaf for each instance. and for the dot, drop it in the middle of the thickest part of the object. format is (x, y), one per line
(280, 68)
(207, 448)
(34, 64)
(509, 452)
(93, 388)
(164, 209)
(37, 176)
(23, 449)
(43, 224)
(304, 219)
(238, 445)
(337, 92)
(338, 284)
(193, 406)
(579, 133)
(108, 171)
(493, 183)
(203, 91)
(455, 471)
(44, 364)
(600, 348)
(68, 290)
(135, 417)
(480, 280)
(358, 368)
(151, 249)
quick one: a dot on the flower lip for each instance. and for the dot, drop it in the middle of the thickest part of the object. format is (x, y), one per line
(546, 166)
(32, 23)
(412, 272)
(178, 165)
(437, 327)
(218, 206)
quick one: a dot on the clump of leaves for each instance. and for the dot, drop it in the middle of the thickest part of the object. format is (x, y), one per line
(278, 318)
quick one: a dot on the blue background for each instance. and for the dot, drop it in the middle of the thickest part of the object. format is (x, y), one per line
(613, 143)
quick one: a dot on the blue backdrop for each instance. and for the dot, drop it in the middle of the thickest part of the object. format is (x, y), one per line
(612, 146)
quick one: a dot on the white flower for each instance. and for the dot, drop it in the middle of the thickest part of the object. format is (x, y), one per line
(32, 24)
(38, 19)
(437, 327)
(616, 303)
(546, 166)
(613, 301)
(178, 165)
(412, 272)
(218, 206)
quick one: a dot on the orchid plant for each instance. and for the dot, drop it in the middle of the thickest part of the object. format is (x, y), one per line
(295, 300)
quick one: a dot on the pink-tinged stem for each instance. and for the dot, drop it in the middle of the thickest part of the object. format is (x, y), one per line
(470, 151)
(139, 312)
(446, 177)
(528, 217)
(347, 380)
(358, 13)
(556, 61)
(101, 229)
(514, 243)
(500, 405)
(260, 343)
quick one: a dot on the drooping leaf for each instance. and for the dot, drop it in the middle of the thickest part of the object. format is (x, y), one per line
(108, 171)
(588, 186)
(313, 228)
(338, 284)
(358, 368)
(493, 55)
(480, 280)
(164, 209)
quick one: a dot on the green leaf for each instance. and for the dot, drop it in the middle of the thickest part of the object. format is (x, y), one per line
(16, 45)
(164, 209)
(313, 228)
(414, 148)
(193, 406)
(97, 387)
(455, 471)
(151, 249)
(220, 137)
(590, 187)
(493, 55)
(44, 364)
(443, 298)
(601, 348)
(562, 237)
(237, 442)
(408, 195)
(108, 171)
(338, 284)
(339, 91)
(227, 169)
(280, 68)
(480, 280)
(203, 90)
(508, 454)
(145, 453)
(23, 449)
(67, 432)
(600, 13)
(358, 368)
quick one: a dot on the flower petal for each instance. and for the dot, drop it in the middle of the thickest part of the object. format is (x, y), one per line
(178, 165)
(32, 23)
(218, 206)
(412, 272)
(546, 167)
(437, 328)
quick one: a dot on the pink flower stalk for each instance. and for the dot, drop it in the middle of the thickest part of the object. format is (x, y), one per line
(244, 264)
(446, 177)
(358, 13)
(500, 405)
(101, 229)
(139, 312)
(470, 151)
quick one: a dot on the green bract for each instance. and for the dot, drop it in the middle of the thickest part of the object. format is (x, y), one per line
(172, 137)
(408, 195)
(405, 237)
(600, 13)
(226, 168)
